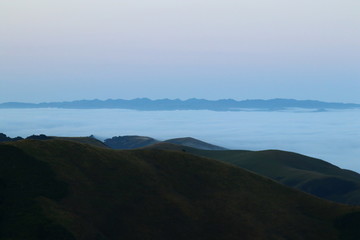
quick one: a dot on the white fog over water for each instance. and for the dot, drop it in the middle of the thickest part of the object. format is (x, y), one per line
(333, 136)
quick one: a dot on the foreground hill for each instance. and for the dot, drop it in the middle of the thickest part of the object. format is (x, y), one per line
(307, 174)
(55, 189)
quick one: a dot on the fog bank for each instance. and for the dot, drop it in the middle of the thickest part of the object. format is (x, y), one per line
(331, 136)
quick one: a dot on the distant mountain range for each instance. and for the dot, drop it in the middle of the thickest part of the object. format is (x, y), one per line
(145, 104)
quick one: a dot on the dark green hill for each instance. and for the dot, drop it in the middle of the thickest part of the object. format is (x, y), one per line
(88, 140)
(194, 143)
(308, 174)
(58, 189)
(129, 142)
(4, 138)
(132, 142)
(171, 147)
(39, 137)
(24, 181)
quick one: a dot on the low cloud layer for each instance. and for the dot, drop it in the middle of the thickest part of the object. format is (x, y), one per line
(331, 136)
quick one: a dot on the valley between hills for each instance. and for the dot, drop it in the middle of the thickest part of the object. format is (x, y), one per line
(135, 187)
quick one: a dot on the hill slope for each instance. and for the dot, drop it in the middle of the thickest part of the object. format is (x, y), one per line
(194, 143)
(96, 193)
(308, 174)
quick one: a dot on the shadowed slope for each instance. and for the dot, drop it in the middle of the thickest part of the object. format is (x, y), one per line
(23, 181)
(308, 174)
(154, 194)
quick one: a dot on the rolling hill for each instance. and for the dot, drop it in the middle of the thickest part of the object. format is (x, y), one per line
(132, 142)
(129, 142)
(88, 140)
(194, 143)
(307, 174)
(57, 189)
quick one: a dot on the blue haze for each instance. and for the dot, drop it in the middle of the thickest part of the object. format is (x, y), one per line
(332, 136)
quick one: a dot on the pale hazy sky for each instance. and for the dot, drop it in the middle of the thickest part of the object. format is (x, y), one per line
(68, 50)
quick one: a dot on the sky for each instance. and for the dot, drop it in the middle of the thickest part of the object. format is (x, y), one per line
(241, 49)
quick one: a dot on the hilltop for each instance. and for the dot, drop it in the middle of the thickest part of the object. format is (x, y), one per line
(87, 192)
(194, 143)
(121, 142)
(88, 140)
(129, 142)
(133, 142)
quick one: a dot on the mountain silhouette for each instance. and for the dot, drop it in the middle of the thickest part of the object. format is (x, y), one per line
(145, 104)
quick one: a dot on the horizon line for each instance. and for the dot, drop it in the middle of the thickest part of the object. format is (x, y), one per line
(177, 99)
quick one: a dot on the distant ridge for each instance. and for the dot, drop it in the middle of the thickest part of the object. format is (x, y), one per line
(123, 142)
(145, 104)
(194, 143)
(132, 142)
(129, 142)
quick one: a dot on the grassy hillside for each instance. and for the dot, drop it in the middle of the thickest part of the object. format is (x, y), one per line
(78, 191)
(23, 181)
(308, 174)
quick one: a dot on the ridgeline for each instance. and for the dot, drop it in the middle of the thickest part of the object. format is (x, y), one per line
(145, 104)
